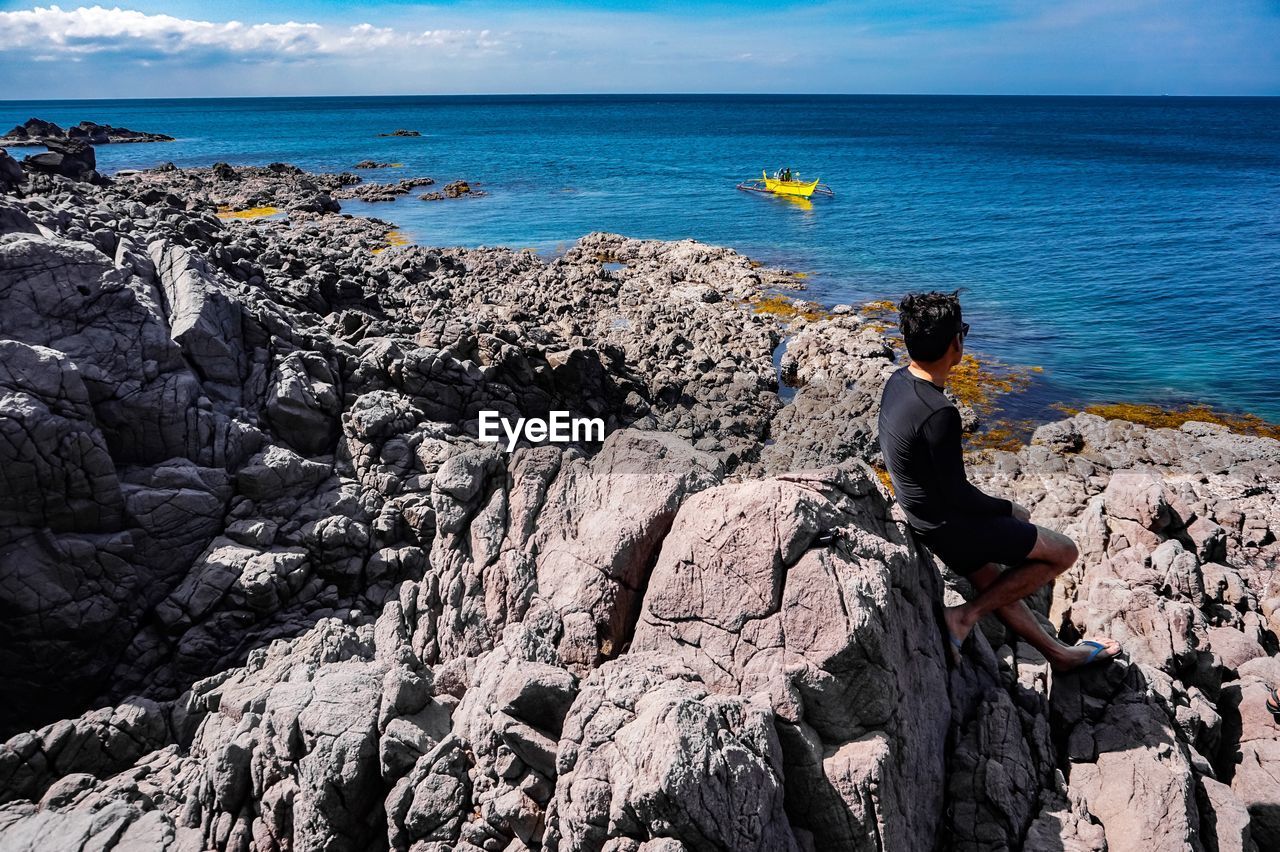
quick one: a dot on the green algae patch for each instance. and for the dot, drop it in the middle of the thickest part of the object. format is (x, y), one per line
(393, 238)
(879, 306)
(1003, 434)
(883, 476)
(785, 308)
(251, 213)
(977, 383)
(882, 317)
(1160, 417)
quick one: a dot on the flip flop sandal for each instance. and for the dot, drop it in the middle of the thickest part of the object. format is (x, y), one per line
(1093, 659)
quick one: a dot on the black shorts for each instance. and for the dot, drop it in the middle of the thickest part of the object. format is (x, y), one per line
(966, 544)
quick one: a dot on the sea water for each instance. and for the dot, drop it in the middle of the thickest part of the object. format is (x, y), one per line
(1130, 247)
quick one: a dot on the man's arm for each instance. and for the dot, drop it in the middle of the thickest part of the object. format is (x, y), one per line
(942, 435)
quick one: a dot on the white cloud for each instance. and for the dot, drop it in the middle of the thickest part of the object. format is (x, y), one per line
(482, 40)
(95, 29)
(1010, 46)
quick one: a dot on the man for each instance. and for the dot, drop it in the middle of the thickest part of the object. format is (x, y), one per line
(971, 532)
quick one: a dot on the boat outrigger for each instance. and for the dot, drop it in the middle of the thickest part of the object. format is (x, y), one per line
(786, 182)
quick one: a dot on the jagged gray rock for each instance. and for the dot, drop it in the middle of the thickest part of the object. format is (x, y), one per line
(35, 131)
(11, 176)
(67, 157)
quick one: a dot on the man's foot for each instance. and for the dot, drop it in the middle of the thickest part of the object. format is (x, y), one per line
(957, 631)
(1086, 654)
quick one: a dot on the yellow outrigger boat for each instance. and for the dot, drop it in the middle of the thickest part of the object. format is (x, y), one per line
(784, 182)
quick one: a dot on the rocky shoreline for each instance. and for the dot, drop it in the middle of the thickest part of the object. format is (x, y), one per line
(265, 589)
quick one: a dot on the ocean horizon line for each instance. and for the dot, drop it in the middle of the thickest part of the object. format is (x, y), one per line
(684, 95)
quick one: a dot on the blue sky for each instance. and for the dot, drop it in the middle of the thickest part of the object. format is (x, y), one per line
(302, 47)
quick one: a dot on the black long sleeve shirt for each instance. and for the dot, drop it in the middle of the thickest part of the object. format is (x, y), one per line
(920, 441)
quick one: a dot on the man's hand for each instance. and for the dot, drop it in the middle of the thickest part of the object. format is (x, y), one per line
(1020, 511)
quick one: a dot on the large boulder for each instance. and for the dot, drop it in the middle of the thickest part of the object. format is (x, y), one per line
(304, 402)
(69, 297)
(71, 158)
(214, 331)
(555, 539)
(805, 594)
(1126, 758)
(649, 753)
(297, 730)
(11, 176)
(35, 129)
(55, 468)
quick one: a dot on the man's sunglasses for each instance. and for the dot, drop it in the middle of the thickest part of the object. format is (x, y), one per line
(964, 329)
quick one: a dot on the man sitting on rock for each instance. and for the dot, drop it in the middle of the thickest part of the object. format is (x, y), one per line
(972, 532)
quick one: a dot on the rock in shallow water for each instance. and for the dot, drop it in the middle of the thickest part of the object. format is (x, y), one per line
(35, 131)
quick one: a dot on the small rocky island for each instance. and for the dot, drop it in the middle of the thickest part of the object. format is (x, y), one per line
(264, 589)
(454, 189)
(35, 131)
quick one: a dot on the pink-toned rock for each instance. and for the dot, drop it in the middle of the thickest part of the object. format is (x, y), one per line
(648, 752)
(1224, 820)
(1255, 733)
(1138, 496)
(832, 634)
(1233, 647)
(1126, 760)
(567, 543)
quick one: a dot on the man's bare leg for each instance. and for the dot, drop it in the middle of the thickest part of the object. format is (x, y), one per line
(1022, 621)
(1003, 595)
(1019, 617)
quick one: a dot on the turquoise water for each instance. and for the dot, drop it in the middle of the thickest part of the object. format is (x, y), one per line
(1129, 246)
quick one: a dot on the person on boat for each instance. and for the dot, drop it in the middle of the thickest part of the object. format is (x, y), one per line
(973, 533)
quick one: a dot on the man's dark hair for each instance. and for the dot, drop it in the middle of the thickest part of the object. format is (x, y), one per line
(929, 322)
